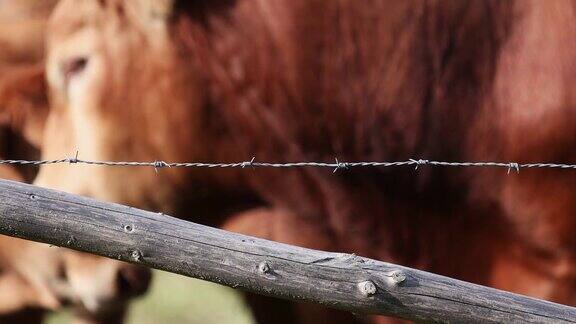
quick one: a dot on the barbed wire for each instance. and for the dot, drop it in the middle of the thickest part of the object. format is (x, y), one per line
(336, 165)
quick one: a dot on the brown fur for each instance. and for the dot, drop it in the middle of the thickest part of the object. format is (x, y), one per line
(22, 28)
(34, 277)
(302, 80)
(23, 100)
(531, 116)
(23, 110)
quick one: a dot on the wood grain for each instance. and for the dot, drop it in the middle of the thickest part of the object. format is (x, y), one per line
(336, 280)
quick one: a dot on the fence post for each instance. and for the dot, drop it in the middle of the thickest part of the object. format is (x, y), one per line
(336, 280)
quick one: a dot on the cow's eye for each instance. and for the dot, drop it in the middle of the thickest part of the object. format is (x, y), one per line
(73, 66)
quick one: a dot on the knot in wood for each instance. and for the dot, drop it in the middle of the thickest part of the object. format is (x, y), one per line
(367, 288)
(398, 277)
(136, 255)
(264, 268)
(128, 228)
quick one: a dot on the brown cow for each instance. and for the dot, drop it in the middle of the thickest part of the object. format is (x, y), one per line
(294, 80)
(35, 277)
(531, 116)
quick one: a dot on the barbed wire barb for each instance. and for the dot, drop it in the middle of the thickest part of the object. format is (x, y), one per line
(339, 165)
(74, 159)
(160, 164)
(249, 163)
(419, 163)
(515, 166)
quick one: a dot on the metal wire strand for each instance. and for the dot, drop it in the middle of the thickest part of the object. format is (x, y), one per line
(335, 166)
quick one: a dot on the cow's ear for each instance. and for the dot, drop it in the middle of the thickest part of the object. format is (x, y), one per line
(24, 101)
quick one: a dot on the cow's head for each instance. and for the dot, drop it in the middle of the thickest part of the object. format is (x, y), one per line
(118, 92)
(56, 276)
(121, 89)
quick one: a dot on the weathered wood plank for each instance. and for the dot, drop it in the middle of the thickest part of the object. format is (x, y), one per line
(337, 280)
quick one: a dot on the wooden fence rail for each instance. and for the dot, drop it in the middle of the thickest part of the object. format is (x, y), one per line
(336, 280)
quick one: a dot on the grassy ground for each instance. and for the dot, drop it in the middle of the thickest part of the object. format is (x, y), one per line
(177, 299)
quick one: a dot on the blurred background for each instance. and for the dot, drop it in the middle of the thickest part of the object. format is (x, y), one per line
(177, 299)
